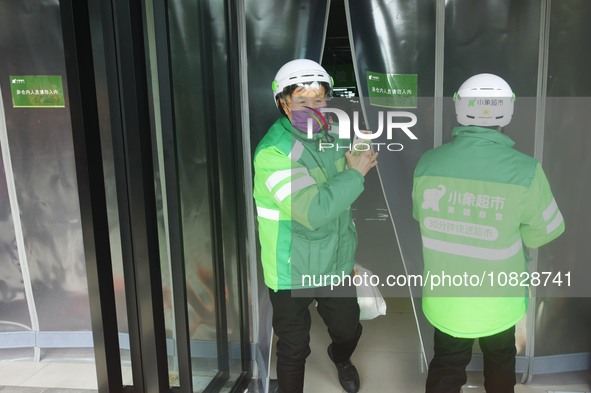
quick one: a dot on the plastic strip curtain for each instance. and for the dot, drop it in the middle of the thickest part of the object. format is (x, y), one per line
(41, 178)
(398, 37)
(18, 229)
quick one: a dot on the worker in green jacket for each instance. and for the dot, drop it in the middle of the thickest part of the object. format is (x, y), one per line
(303, 195)
(479, 202)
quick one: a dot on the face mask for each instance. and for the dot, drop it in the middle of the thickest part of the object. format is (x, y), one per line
(299, 119)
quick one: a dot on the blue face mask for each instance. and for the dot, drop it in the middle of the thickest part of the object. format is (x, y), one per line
(299, 119)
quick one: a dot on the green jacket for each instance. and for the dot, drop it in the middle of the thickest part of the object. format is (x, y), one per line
(303, 198)
(478, 202)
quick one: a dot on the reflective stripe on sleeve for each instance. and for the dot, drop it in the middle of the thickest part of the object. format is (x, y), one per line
(294, 186)
(278, 176)
(550, 210)
(269, 214)
(490, 254)
(555, 223)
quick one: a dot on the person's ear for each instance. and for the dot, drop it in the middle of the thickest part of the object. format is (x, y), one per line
(285, 107)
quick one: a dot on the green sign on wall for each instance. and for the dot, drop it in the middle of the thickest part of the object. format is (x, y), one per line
(37, 91)
(392, 90)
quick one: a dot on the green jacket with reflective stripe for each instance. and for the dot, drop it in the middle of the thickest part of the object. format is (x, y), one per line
(478, 202)
(303, 198)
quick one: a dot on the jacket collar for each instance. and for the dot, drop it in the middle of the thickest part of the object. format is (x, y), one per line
(482, 133)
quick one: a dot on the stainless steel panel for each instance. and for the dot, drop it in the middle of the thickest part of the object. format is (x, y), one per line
(190, 106)
(200, 69)
(227, 146)
(188, 88)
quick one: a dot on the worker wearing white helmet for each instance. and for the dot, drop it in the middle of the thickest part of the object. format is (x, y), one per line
(479, 202)
(303, 196)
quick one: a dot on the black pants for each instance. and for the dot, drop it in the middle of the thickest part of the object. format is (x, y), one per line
(447, 370)
(291, 323)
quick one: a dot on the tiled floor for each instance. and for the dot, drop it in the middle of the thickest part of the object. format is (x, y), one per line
(52, 377)
(394, 333)
(388, 360)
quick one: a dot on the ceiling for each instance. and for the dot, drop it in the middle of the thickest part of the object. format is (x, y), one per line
(337, 49)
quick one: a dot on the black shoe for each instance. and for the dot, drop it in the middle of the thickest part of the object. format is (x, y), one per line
(348, 376)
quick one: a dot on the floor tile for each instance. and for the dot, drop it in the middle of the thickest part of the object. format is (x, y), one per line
(564, 382)
(390, 372)
(59, 375)
(15, 373)
(395, 332)
(18, 389)
(388, 360)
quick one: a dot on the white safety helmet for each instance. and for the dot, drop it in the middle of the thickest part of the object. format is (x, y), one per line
(484, 100)
(300, 71)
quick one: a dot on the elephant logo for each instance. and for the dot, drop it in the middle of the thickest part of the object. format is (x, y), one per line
(432, 196)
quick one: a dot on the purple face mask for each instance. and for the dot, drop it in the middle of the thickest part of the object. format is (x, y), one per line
(299, 119)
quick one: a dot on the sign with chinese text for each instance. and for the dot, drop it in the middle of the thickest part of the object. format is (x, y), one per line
(392, 90)
(37, 91)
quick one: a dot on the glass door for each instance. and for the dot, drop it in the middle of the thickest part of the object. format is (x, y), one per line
(196, 145)
(163, 74)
